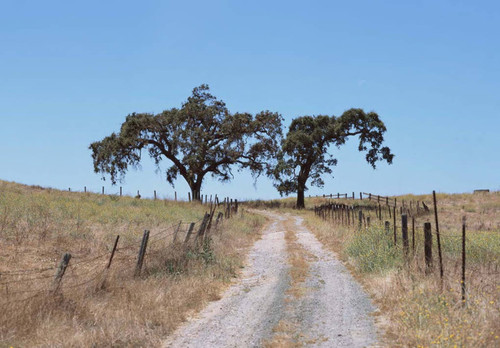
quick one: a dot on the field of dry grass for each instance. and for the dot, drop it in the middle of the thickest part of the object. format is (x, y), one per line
(93, 305)
(419, 310)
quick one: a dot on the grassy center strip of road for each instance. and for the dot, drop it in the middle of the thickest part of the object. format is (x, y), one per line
(286, 333)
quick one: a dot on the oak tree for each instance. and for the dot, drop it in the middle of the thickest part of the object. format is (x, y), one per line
(202, 137)
(306, 156)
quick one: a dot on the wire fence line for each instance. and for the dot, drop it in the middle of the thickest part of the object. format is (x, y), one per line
(80, 271)
(399, 228)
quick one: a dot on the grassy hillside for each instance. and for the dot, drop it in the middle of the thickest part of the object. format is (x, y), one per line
(94, 305)
(418, 309)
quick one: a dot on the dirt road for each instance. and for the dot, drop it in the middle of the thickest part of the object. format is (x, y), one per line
(326, 308)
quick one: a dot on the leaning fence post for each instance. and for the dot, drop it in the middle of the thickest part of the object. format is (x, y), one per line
(113, 252)
(177, 231)
(428, 246)
(60, 271)
(202, 228)
(142, 253)
(404, 233)
(220, 216)
(190, 230)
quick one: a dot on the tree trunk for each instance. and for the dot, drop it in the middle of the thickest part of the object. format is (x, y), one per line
(196, 190)
(300, 196)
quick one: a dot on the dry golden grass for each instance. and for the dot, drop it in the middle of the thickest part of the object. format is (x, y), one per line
(285, 333)
(298, 258)
(283, 336)
(107, 308)
(419, 310)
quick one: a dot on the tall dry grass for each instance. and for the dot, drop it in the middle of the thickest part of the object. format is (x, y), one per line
(95, 306)
(419, 309)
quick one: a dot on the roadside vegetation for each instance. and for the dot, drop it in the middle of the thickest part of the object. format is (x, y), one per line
(416, 309)
(96, 306)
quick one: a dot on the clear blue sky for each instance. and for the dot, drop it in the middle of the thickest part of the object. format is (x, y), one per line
(70, 73)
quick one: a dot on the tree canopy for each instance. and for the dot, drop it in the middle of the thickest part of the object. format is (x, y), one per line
(201, 137)
(305, 152)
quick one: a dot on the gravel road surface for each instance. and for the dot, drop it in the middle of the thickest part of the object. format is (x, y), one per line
(333, 312)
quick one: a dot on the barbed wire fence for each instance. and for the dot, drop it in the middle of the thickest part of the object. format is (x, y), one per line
(23, 285)
(400, 220)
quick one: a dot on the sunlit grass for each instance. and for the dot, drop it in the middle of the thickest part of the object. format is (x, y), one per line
(421, 310)
(38, 225)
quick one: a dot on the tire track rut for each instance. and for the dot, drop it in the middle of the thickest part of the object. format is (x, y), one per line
(332, 311)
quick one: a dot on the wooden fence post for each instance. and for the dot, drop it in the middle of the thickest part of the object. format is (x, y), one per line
(155, 195)
(428, 246)
(142, 253)
(113, 252)
(220, 216)
(353, 196)
(84, 189)
(395, 229)
(360, 217)
(438, 237)
(60, 271)
(202, 228)
(189, 196)
(361, 196)
(387, 226)
(121, 191)
(404, 233)
(463, 261)
(190, 230)
(177, 231)
(175, 196)
(103, 190)
(413, 234)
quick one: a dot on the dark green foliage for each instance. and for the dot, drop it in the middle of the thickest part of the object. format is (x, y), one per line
(305, 150)
(199, 138)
